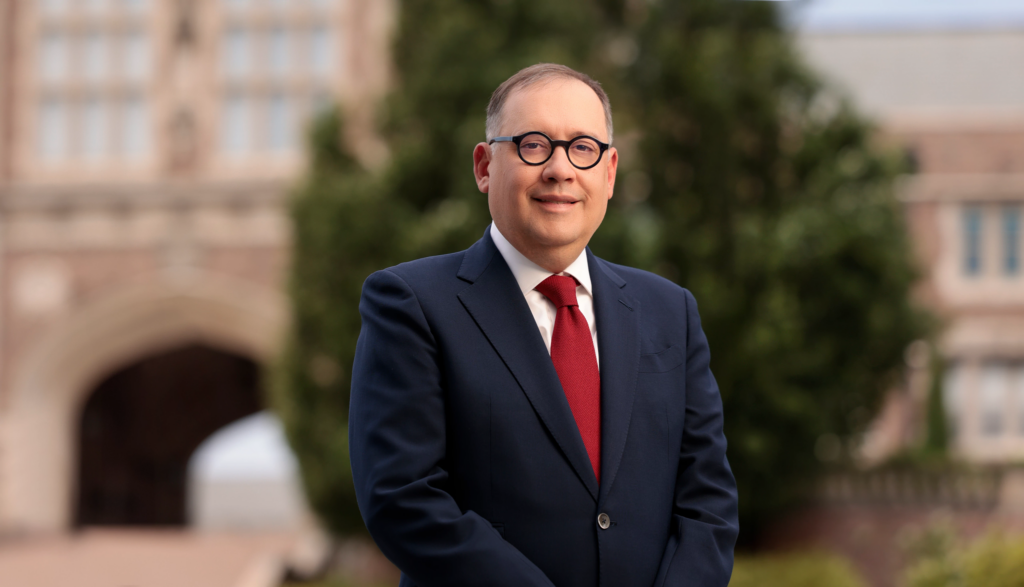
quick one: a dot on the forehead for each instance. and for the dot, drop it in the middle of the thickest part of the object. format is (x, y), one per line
(561, 108)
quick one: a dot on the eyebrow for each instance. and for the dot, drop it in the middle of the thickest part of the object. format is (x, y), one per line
(573, 133)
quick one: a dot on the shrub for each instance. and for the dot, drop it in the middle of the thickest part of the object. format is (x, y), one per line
(995, 560)
(795, 570)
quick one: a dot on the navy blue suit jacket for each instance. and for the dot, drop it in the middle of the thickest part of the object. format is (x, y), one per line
(469, 468)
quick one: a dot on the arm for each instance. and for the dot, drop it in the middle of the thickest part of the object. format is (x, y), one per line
(397, 440)
(700, 550)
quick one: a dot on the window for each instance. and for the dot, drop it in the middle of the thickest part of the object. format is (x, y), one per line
(280, 125)
(95, 56)
(94, 128)
(1011, 240)
(53, 56)
(235, 124)
(321, 50)
(134, 127)
(972, 240)
(52, 130)
(135, 55)
(992, 396)
(277, 46)
(236, 53)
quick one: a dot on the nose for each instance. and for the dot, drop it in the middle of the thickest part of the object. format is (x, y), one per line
(557, 168)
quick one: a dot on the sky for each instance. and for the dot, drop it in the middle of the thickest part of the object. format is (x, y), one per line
(905, 14)
(253, 448)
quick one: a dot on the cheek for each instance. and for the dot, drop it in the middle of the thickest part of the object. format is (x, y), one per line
(501, 197)
(511, 186)
(600, 191)
(597, 209)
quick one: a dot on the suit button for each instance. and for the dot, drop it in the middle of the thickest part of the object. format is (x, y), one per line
(603, 521)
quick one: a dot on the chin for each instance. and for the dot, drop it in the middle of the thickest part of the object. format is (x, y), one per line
(556, 237)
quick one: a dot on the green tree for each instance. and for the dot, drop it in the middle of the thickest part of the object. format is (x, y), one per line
(774, 207)
(343, 232)
(742, 179)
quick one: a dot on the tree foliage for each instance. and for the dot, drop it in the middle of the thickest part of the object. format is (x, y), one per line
(741, 178)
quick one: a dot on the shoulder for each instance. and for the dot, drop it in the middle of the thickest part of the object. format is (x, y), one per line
(665, 305)
(421, 273)
(668, 311)
(645, 285)
(411, 293)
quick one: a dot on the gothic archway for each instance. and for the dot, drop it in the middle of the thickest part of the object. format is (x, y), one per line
(141, 424)
(52, 381)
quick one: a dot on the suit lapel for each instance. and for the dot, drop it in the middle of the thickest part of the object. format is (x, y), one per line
(618, 338)
(498, 307)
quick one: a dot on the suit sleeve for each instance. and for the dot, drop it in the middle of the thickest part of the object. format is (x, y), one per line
(397, 444)
(705, 520)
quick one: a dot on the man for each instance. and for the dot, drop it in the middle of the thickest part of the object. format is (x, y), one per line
(524, 413)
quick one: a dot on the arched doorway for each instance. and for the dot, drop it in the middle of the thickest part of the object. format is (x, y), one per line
(141, 424)
(55, 375)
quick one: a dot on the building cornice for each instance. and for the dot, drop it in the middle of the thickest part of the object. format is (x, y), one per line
(961, 187)
(163, 194)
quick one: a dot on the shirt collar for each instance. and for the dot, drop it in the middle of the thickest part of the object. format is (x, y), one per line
(529, 274)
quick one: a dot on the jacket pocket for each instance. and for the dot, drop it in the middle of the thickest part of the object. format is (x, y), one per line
(660, 362)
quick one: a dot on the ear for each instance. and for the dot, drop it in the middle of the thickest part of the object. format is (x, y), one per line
(482, 166)
(613, 166)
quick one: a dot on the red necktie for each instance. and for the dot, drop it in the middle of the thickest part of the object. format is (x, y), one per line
(572, 352)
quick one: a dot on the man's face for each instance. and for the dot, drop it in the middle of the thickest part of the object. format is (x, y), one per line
(540, 208)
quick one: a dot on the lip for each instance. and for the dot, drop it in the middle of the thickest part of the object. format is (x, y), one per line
(554, 199)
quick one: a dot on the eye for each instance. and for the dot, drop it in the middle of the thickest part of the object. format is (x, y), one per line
(532, 145)
(584, 147)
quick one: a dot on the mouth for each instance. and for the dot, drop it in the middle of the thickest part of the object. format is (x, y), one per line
(555, 201)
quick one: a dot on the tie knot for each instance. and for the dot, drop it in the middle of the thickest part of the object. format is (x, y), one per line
(560, 289)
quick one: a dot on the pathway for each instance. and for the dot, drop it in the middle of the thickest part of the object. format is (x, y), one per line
(155, 558)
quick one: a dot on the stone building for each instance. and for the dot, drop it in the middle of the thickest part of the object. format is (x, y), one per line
(949, 96)
(146, 148)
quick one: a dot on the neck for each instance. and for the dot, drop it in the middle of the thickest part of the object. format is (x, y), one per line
(555, 260)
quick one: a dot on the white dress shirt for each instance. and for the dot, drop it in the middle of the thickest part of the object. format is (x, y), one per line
(529, 275)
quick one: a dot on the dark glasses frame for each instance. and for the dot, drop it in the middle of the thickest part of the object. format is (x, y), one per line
(518, 139)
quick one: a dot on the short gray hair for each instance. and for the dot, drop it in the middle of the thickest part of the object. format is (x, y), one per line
(534, 74)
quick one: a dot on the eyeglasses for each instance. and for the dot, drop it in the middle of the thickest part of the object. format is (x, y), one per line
(535, 148)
